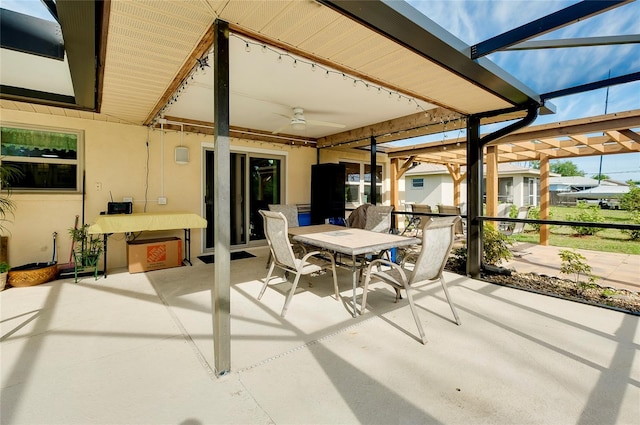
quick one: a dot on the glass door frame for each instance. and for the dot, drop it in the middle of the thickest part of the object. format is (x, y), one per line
(249, 152)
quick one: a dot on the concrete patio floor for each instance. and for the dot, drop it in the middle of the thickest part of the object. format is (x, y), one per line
(137, 349)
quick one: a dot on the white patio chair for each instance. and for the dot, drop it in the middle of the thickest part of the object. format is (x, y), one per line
(291, 213)
(516, 228)
(422, 220)
(437, 241)
(504, 210)
(276, 231)
(453, 209)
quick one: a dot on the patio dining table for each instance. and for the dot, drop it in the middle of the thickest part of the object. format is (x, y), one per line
(353, 242)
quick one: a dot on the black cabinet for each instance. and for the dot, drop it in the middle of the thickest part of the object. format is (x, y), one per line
(327, 192)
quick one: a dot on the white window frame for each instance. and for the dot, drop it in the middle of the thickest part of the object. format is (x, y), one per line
(361, 183)
(413, 183)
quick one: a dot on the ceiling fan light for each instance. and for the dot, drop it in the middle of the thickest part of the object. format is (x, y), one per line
(298, 125)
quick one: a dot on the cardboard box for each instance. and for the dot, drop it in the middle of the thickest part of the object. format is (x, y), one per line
(154, 254)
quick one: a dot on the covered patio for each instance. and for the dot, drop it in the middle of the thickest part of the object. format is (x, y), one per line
(136, 348)
(232, 70)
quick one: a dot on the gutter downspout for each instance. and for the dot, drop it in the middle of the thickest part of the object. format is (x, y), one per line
(475, 148)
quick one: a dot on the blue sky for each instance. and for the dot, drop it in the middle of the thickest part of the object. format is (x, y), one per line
(551, 69)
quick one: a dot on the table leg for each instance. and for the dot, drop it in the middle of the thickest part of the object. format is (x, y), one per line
(104, 258)
(187, 247)
(354, 271)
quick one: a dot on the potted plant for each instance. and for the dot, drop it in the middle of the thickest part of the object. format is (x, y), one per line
(4, 272)
(87, 249)
(8, 173)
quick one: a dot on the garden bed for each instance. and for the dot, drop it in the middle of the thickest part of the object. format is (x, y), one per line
(588, 293)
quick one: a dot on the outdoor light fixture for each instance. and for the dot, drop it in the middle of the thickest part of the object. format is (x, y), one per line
(182, 155)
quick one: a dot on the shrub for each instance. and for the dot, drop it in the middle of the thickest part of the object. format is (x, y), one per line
(495, 250)
(587, 214)
(534, 213)
(574, 263)
(635, 219)
(495, 245)
(630, 201)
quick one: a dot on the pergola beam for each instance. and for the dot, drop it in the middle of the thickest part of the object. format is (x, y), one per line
(548, 23)
(576, 42)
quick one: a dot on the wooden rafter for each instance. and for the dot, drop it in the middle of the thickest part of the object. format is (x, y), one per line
(603, 135)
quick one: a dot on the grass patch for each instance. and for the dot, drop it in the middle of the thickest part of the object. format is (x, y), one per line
(607, 240)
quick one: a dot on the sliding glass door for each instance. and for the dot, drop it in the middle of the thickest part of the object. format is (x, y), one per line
(257, 178)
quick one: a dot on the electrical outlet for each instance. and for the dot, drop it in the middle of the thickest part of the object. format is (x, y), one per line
(98, 186)
(162, 200)
(127, 199)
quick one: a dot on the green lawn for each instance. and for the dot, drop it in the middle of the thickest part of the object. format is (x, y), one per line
(607, 240)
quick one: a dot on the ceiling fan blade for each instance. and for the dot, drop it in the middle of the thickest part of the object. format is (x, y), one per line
(283, 115)
(326, 124)
(278, 130)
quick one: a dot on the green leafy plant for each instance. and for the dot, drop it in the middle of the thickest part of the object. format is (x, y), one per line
(4, 267)
(534, 213)
(631, 200)
(495, 245)
(8, 174)
(634, 235)
(575, 263)
(87, 248)
(495, 249)
(513, 211)
(587, 214)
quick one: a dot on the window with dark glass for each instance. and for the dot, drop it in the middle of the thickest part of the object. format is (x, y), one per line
(358, 183)
(48, 160)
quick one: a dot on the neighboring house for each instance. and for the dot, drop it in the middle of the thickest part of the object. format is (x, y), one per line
(569, 190)
(432, 184)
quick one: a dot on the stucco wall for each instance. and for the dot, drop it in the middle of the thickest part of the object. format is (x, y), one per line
(115, 156)
(438, 189)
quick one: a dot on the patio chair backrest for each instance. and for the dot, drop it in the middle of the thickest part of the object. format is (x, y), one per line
(452, 209)
(276, 230)
(437, 241)
(422, 208)
(379, 218)
(504, 210)
(289, 211)
(523, 212)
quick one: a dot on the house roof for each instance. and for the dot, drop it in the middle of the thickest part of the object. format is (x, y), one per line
(437, 169)
(597, 192)
(576, 181)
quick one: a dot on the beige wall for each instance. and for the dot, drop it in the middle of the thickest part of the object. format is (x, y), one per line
(116, 156)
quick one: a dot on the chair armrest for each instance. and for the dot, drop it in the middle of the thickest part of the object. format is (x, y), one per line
(382, 261)
(318, 253)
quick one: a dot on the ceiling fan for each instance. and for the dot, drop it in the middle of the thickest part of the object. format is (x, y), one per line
(298, 121)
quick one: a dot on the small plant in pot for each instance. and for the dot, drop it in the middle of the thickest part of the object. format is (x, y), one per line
(87, 248)
(4, 271)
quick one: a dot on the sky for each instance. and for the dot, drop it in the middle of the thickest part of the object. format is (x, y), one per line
(547, 70)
